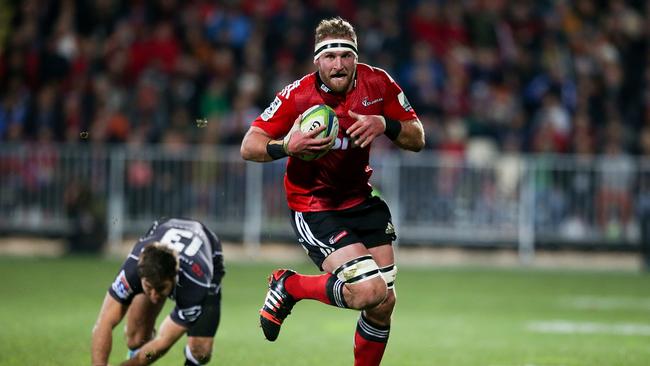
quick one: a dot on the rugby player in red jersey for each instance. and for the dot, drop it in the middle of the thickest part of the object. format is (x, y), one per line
(346, 232)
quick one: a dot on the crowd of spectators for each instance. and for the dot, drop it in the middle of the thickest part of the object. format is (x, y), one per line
(500, 76)
(534, 76)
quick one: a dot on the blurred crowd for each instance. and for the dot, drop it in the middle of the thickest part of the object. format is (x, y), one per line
(490, 79)
(557, 76)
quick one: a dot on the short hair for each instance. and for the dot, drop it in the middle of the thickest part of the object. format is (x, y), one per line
(335, 28)
(158, 263)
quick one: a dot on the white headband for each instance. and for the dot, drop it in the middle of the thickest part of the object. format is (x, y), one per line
(335, 45)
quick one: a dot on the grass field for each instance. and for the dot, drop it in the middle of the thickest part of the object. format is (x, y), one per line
(445, 317)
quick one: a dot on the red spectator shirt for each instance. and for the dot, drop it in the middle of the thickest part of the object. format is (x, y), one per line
(339, 179)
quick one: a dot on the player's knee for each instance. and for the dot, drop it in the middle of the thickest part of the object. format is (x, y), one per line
(367, 294)
(136, 338)
(389, 274)
(390, 301)
(199, 352)
(385, 309)
(381, 314)
(364, 281)
(202, 357)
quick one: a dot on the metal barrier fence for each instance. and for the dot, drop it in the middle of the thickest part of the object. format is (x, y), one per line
(515, 200)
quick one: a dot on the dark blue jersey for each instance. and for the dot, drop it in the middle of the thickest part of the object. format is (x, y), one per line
(201, 266)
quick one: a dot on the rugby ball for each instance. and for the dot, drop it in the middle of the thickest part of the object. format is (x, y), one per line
(315, 117)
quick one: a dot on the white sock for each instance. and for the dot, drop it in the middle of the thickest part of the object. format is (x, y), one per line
(189, 356)
(132, 353)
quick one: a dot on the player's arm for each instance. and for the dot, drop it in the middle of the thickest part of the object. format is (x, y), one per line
(110, 315)
(169, 333)
(259, 146)
(408, 135)
(254, 146)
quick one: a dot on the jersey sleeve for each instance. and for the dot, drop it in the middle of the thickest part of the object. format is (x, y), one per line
(127, 282)
(277, 119)
(396, 106)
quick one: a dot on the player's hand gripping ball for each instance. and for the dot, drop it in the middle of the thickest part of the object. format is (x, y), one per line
(315, 117)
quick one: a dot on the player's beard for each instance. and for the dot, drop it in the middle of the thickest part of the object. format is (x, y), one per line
(340, 81)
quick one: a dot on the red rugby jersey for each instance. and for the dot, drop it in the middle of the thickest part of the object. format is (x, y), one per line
(339, 179)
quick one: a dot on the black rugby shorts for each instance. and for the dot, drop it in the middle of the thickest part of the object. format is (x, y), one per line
(323, 232)
(208, 322)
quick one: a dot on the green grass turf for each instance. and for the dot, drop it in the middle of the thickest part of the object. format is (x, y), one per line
(444, 316)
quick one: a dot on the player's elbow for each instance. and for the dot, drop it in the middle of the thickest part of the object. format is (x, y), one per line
(248, 149)
(414, 144)
(412, 138)
(419, 140)
(245, 148)
(418, 145)
(245, 152)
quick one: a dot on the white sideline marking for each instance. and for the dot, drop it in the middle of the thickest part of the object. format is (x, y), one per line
(607, 303)
(571, 327)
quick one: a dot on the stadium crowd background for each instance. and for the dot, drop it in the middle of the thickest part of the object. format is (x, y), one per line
(493, 76)
(531, 76)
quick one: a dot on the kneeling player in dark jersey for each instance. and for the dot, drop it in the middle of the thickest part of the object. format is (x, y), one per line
(177, 258)
(347, 232)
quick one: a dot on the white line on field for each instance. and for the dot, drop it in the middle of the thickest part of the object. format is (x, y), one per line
(607, 303)
(571, 327)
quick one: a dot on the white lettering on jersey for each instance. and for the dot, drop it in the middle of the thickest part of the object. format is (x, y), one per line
(271, 109)
(121, 286)
(193, 247)
(286, 92)
(342, 143)
(190, 314)
(177, 239)
(404, 102)
(366, 103)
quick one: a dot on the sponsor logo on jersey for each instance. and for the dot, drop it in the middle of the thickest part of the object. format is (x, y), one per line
(404, 102)
(121, 286)
(367, 103)
(337, 237)
(271, 109)
(196, 268)
(190, 314)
